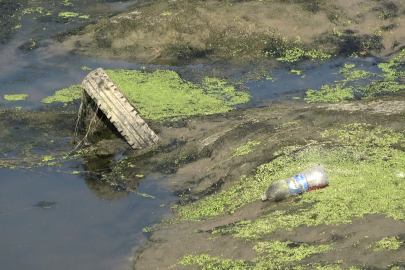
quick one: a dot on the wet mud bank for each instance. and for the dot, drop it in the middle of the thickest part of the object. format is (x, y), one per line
(221, 165)
(186, 31)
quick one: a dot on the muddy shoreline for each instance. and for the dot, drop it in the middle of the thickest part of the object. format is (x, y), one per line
(206, 176)
(190, 31)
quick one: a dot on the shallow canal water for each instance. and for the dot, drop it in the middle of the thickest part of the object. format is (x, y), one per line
(53, 219)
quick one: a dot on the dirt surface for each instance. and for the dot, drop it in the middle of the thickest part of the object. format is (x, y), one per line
(183, 31)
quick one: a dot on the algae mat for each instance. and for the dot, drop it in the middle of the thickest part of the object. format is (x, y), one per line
(162, 94)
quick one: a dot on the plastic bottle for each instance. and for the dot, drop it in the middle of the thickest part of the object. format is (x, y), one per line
(310, 179)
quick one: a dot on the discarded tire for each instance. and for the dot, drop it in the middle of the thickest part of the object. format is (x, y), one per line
(116, 107)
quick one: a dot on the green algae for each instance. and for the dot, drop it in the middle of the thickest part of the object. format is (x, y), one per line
(33, 10)
(297, 54)
(277, 255)
(66, 95)
(15, 97)
(209, 262)
(272, 255)
(298, 72)
(245, 149)
(366, 136)
(387, 243)
(47, 158)
(162, 94)
(388, 80)
(35, 161)
(68, 14)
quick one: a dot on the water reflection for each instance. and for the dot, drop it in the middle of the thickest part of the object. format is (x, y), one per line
(107, 180)
(78, 230)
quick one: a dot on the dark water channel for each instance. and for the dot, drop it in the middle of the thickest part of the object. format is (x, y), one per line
(53, 219)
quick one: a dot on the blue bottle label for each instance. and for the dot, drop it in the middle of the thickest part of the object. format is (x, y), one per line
(297, 184)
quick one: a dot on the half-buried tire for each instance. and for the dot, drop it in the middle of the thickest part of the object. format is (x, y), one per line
(116, 107)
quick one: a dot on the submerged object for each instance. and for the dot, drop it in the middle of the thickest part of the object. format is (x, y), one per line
(307, 180)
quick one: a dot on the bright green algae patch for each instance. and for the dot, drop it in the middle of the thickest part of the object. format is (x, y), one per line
(297, 54)
(386, 81)
(15, 97)
(65, 95)
(212, 262)
(163, 94)
(276, 254)
(245, 149)
(387, 243)
(68, 14)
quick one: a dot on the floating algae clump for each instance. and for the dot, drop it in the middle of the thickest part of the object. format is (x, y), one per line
(386, 81)
(163, 94)
(15, 97)
(297, 54)
(65, 95)
(68, 14)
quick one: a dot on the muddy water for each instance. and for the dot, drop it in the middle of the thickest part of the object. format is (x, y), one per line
(52, 220)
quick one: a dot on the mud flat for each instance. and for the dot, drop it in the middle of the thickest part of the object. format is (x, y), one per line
(184, 31)
(220, 164)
